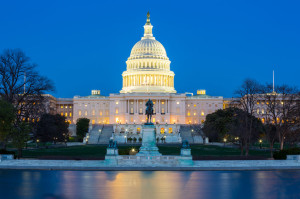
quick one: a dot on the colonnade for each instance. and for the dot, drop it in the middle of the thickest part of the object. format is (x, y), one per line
(148, 64)
(148, 80)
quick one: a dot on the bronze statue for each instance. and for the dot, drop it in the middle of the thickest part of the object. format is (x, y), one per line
(149, 111)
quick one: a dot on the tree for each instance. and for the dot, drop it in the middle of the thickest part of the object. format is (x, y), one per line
(82, 127)
(231, 123)
(20, 135)
(7, 117)
(22, 86)
(216, 125)
(270, 135)
(52, 128)
(281, 109)
(248, 94)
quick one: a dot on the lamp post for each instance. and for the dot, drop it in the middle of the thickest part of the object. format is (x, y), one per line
(260, 143)
(225, 140)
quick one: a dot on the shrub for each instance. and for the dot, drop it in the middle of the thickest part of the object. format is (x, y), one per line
(124, 151)
(140, 139)
(281, 155)
(134, 139)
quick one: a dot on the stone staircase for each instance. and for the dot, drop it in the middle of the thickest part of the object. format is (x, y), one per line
(106, 134)
(95, 134)
(186, 133)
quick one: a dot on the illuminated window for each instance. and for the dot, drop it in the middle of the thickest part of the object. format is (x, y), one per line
(66, 106)
(93, 112)
(141, 111)
(117, 111)
(262, 111)
(66, 114)
(153, 120)
(162, 102)
(70, 114)
(281, 102)
(70, 107)
(257, 111)
(93, 121)
(263, 120)
(154, 110)
(62, 114)
(162, 110)
(188, 113)
(131, 102)
(202, 113)
(195, 105)
(142, 103)
(61, 106)
(131, 110)
(100, 113)
(117, 102)
(162, 130)
(257, 102)
(85, 113)
(85, 105)
(170, 130)
(79, 113)
(177, 103)
(188, 105)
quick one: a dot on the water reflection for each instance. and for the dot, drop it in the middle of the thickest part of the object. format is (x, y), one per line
(148, 184)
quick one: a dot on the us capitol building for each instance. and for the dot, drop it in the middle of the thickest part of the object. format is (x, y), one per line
(148, 76)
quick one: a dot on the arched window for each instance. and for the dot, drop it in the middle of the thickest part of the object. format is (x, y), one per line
(162, 130)
(170, 130)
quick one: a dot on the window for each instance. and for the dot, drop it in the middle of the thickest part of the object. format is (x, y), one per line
(61, 106)
(93, 112)
(162, 130)
(262, 111)
(101, 113)
(153, 110)
(62, 114)
(141, 111)
(93, 121)
(257, 111)
(70, 114)
(188, 105)
(195, 105)
(188, 113)
(257, 102)
(70, 107)
(162, 102)
(85, 105)
(66, 106)
(170, 130)
(79, 113)
(177, 103)
(117, 102)
(162, 110)
(141, 103)
(195, 113)
(202, 113)
(131, 102)
(117, 110)
(85, 113)
(131, 110)
(66, 114)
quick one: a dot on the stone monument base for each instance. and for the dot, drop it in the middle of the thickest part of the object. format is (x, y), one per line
(148, 147)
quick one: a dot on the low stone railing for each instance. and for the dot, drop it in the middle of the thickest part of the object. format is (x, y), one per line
(293, 157)
(6, 157)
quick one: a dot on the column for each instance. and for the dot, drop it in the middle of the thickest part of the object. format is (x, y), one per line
(127, 106)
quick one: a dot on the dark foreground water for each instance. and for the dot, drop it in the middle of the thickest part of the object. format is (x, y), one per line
(149, 184)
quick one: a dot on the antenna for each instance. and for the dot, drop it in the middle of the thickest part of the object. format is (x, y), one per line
(273, 82)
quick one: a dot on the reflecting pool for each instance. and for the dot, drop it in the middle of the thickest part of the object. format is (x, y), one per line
(149, 184)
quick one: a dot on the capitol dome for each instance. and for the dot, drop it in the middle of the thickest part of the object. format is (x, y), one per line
(148, 67)
(148, 48)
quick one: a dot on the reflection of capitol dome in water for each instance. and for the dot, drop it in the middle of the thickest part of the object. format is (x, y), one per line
(148, 67)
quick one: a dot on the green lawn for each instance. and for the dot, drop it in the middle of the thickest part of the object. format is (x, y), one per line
(97, 151)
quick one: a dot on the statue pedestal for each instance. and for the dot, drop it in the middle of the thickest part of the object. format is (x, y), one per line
(148, 147)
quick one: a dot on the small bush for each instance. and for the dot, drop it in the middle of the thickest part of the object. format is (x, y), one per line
(124, 151)
(281, 155)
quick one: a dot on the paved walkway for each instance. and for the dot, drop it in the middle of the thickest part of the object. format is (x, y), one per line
(102, 165)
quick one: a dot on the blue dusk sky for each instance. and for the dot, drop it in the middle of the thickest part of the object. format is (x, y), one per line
(212, 45)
